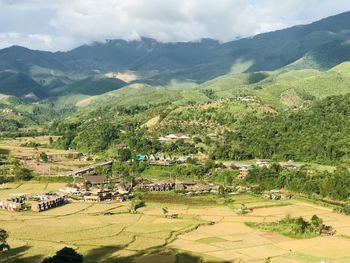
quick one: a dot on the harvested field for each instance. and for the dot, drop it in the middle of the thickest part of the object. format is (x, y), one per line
(107, 232)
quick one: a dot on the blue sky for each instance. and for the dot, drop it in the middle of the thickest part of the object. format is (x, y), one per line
(64, 24)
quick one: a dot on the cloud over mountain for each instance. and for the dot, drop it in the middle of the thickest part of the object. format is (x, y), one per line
(57, 25)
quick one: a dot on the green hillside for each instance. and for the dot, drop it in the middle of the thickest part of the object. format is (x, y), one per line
(90, 86)
(319, 133)
(19, 84)
(205, 81)
(324, 57)
(283, 88)
(143, 94)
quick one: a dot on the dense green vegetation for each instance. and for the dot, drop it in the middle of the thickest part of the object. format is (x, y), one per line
(66, 254)
(295, 227)
(320, 133)
(9, 125)
(325, 184)
(90, 86)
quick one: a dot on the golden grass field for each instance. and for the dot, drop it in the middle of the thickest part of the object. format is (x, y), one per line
(61, 164)
(13, 145)
(107, 232)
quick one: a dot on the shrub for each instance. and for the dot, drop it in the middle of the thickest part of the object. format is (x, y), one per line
(65, 255)
(135, 204)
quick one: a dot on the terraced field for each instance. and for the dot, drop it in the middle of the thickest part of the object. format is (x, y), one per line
(107, 232)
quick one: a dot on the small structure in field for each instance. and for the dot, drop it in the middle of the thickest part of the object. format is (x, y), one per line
(262, 162)
(171, 216)
(10, 206)
(328, 232)
(291, 166)
(47, 201)
(240, 190)
(184, 185)
(277, 195)
(243, 210)
(173, 137)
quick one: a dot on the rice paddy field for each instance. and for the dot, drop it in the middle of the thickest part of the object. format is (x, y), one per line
(59, 166)
(15, 149)
(205, 229)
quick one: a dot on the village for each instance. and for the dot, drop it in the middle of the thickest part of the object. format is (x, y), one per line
(86, 188)
(87, 185)
(36, 203)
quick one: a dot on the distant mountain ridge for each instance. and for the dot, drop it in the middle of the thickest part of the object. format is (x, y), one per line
(321, 45)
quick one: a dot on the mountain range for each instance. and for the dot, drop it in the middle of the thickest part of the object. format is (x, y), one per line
(106, 66)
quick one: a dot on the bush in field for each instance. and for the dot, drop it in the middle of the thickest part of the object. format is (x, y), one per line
(6, 179)
(296, 227)
(334, 185)
(65, 255)
(344, 210)
(135, 204)
(43, 157)
(23, 173)
(221, 190)
(3, 237)
(30, 144)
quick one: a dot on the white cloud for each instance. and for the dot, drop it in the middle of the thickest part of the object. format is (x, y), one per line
(73, 22)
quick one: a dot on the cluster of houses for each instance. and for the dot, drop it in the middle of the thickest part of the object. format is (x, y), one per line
(245, 98)
(244, 169)
(190, 187)
(162, 159)
(173, 137)
(240, 189)
(47, 201)
(150, 186)
(9, 111)
(277, 195)
(36, 203)
(11, 206)
(93, 188)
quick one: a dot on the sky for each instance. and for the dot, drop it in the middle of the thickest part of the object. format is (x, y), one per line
(64, 24)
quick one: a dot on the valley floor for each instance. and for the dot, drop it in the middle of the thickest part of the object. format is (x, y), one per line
(107, 232)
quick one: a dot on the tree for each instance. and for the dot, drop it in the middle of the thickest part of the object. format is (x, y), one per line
(221, 190)
(3, 237)
(23, 173)
(135, 204)
(43, 157)
(65, 255)
(316, 221)
(124, 154)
